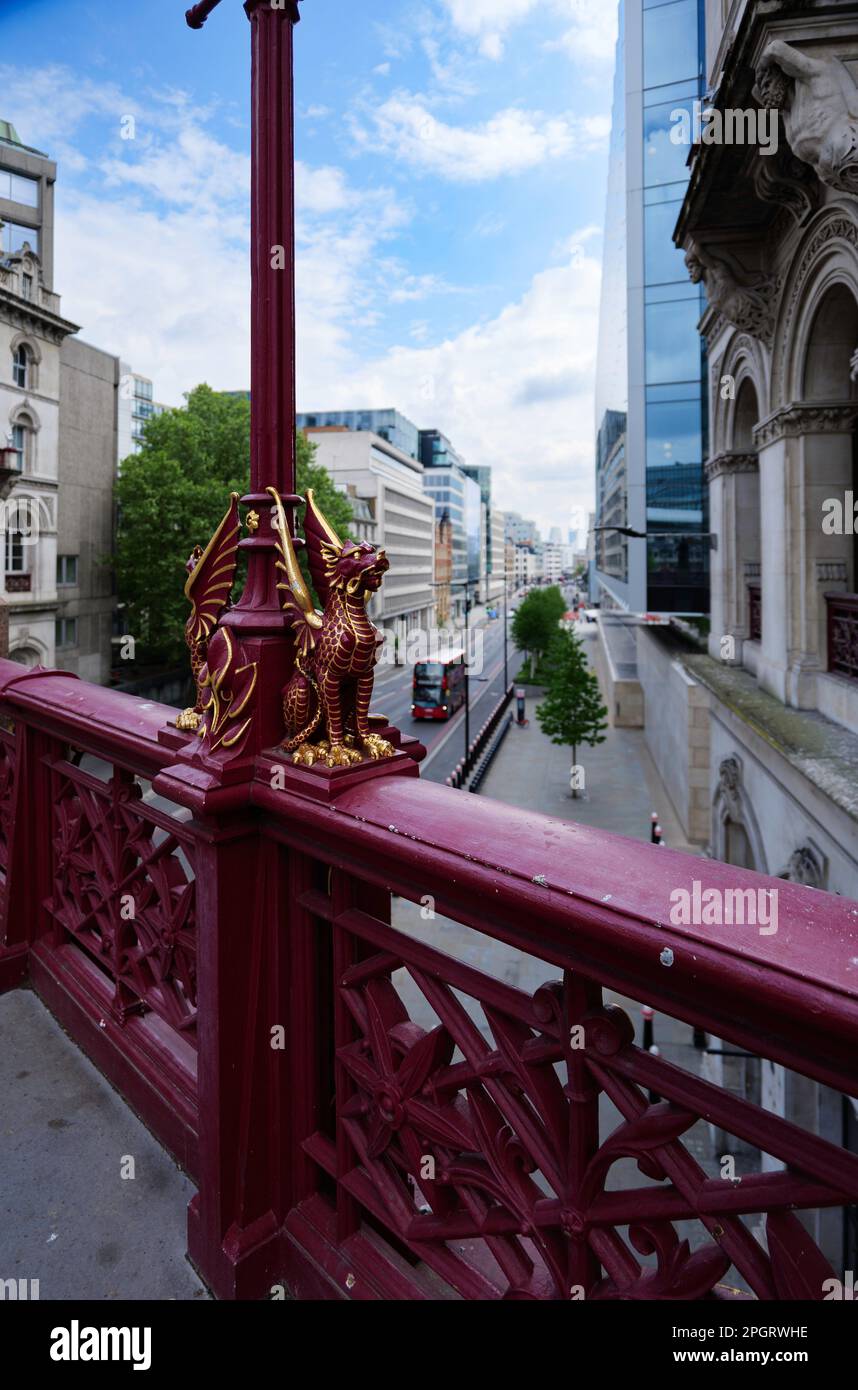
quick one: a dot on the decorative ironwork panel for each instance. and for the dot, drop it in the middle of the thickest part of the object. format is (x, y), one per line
(124, 890)
(477, 1145)
(843, 634)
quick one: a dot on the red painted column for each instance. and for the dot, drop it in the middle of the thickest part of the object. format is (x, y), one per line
(272, 373)
(256, 625)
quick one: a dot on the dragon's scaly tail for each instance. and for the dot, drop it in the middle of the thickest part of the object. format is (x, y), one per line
(314, 723)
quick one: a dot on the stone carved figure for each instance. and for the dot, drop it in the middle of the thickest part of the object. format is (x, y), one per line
(819, 103)
(745, 300)
(336, 651)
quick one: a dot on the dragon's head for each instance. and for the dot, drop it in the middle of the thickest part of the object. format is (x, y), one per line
(357, 568)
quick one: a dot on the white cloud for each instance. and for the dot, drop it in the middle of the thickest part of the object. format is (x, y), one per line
(152, 258)
(589, 33)
(382, 70)
(488, 20)
(508, 143)
(514, 392)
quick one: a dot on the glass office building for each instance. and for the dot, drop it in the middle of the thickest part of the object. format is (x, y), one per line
(660, 63)
(397, 429)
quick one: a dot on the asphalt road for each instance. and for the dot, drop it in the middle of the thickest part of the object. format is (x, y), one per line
(445, 739)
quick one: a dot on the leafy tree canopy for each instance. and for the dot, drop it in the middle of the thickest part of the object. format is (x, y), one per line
(535, 622)
(572, 712)
(173, 495)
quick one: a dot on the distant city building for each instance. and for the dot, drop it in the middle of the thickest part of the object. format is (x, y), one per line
(444, 569)
(136, 407)
(527, 566)
(458, 497)
(364, 526)
(436, 451)
(554, 556)
(611, 548)
(86, 598)
(520, 530)
(482, 476)
(58, 429)
(498, 573)
(390, 482)
(388, 424)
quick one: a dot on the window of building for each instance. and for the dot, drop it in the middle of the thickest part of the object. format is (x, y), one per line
(673, 345)
(22, 434)
(671, 43)
(66, 569)
(21, 367)
(664, 261)
(27, 286)
(13, 235)
(14, 552)
(66, 632)
(19, 189)
(665, 157)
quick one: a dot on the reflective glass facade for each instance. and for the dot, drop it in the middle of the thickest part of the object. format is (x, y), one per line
(453, 494)
(651, 363)
(673, 366)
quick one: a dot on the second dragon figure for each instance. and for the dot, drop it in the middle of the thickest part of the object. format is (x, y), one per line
(326, 701)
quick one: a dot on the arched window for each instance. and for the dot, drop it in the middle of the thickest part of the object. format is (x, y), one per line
(22, 443)
(21, 367)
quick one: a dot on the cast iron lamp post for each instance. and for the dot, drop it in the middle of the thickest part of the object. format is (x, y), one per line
(257, 619)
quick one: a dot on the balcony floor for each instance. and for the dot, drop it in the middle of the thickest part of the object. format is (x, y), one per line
(67, 1217)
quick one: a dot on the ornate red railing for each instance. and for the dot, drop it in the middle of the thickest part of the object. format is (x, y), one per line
(843, 634)
(370, 1114)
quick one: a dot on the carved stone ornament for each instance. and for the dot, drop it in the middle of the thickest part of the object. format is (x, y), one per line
(729, 463)
(818, 101)
(795, 420)
(788, 182)
(806, 866)
(729, 782)
(745, 300)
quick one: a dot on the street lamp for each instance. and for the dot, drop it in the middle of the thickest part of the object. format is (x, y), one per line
(711, 536)
(255, 623)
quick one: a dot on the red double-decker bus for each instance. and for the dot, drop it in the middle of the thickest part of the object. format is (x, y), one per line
(439, 686)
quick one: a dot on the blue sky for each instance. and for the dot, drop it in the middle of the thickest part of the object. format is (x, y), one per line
(450, 188)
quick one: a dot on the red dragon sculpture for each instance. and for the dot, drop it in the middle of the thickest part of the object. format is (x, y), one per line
(328, 696)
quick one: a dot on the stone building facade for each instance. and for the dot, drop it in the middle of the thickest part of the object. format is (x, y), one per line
(58, 433)
(774, 239)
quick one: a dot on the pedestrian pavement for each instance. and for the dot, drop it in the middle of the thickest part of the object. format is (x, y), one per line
(622, 786)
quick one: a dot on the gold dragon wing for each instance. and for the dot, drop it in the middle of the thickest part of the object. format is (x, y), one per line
(210, 581)
(324, 547)
(297, 604)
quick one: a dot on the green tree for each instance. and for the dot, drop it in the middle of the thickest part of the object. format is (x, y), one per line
(172, 496)
(572, 712)
(535, 623)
